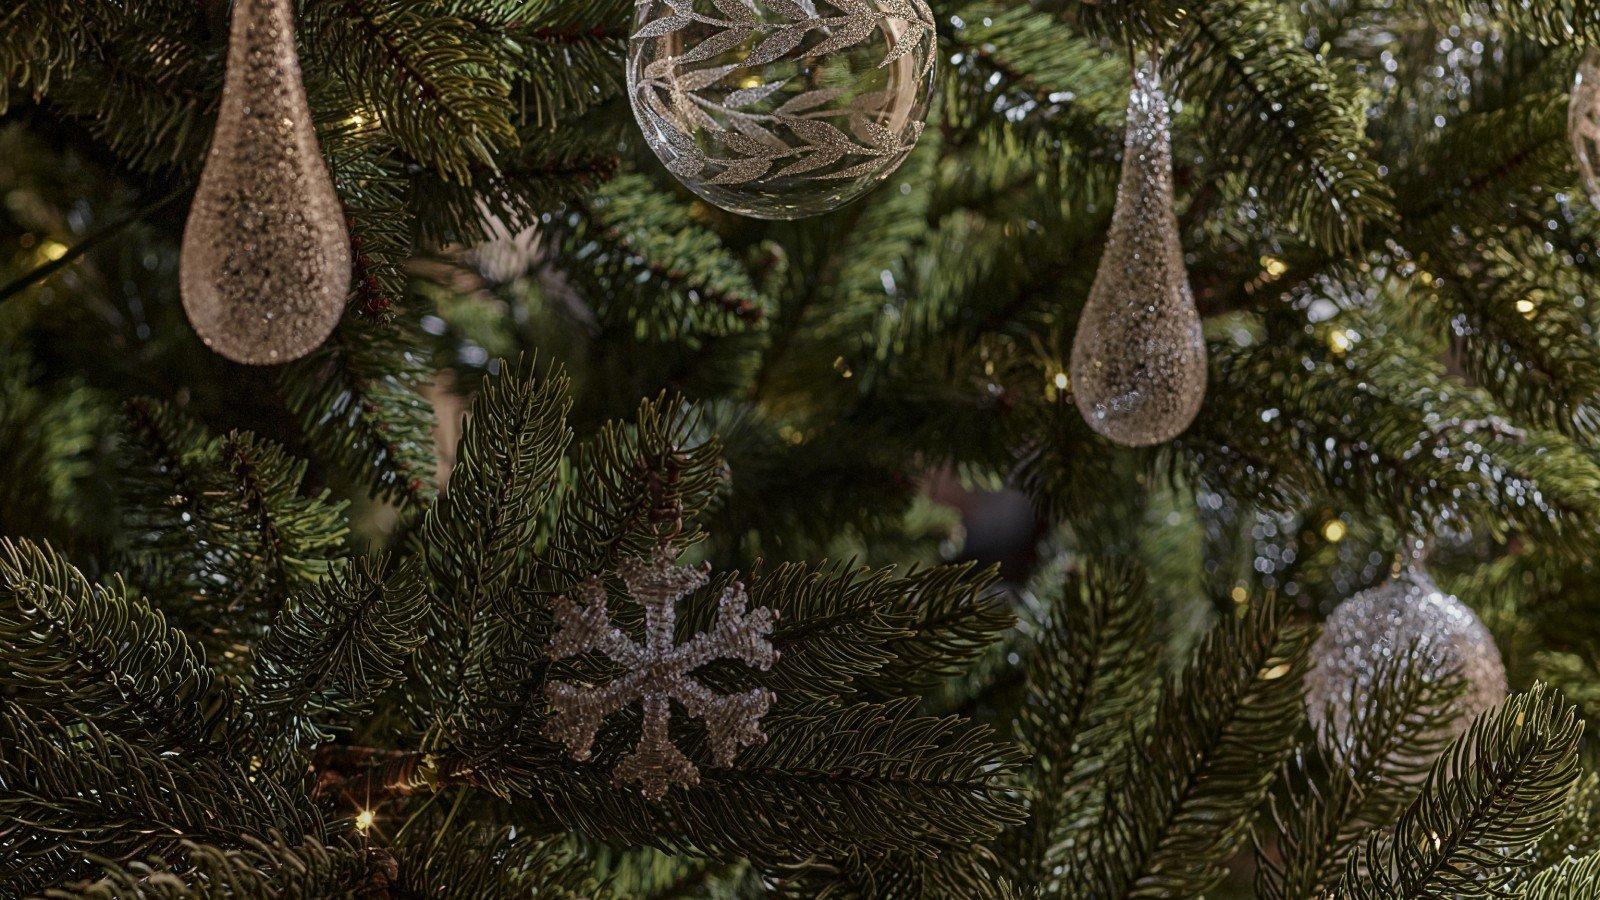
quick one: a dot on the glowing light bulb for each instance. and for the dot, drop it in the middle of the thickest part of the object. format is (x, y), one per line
(364, 820)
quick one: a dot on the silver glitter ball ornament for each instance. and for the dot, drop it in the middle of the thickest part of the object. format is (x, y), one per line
(780, 109)
(1139, 359)
(1583, 122)
(1385, 621)
(266, 259)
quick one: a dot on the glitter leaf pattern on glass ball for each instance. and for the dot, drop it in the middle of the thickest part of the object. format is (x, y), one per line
(781, 109)
(1385, 621)
(1583, 122)
(1138, 359)
(266, 260)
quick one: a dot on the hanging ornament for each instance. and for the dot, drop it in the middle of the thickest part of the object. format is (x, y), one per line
(1384, 622)
(658, 672)
(1138, 360)
(506, 253)
(1583, 122)
(781, 109)
(266, 260)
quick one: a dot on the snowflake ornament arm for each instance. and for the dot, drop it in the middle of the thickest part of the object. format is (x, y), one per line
(659, 672)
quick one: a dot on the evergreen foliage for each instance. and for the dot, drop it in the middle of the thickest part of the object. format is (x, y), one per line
(220, 523)
(1189, 787)
(1089, 686)
(286, 631)
(1332, 797)
(1492, 792)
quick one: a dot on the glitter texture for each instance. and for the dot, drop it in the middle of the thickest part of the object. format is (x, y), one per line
(1384, 621)
(1583, 122)
(1138, 360)
(266, 260)
(659, 672)
(780, 109)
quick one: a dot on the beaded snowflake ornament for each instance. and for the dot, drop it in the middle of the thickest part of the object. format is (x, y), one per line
(659, 671)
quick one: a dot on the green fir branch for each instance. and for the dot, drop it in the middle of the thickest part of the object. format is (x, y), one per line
(1089, 682)
(71, 788)
(666, 268)
(432, 78)
(950, 615)
(336, 647)
(1191, 786)
(1571, 879)
(1046, 80)
(1383, 428)
(464, 862)
(220, 522)
(631, 487)
(507, 463)
(359, 401)
(106, 655)
(1558, 22)
(1397, 725)
(1281, 116)
(828, 783)
(1576, 831)
(1489, 796)
(257, 869)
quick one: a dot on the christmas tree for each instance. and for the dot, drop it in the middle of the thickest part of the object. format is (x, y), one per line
(615, 544)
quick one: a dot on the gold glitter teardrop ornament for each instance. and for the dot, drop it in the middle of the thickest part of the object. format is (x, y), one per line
(1583, 122)
(266, 260)
(1138, 359)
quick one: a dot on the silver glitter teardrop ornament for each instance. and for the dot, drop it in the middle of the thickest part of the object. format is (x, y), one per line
(1385, 621)
(1138, 359)
(780, 109)
(1583, 122)
(266, 260)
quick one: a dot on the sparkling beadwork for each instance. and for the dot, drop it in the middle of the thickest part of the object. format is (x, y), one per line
(1583, 122)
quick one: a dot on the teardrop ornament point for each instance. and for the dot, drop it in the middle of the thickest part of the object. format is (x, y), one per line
(266, 259)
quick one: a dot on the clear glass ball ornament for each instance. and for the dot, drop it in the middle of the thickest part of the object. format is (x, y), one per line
(1377, 625)
(1583, 122)
(780, 109)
